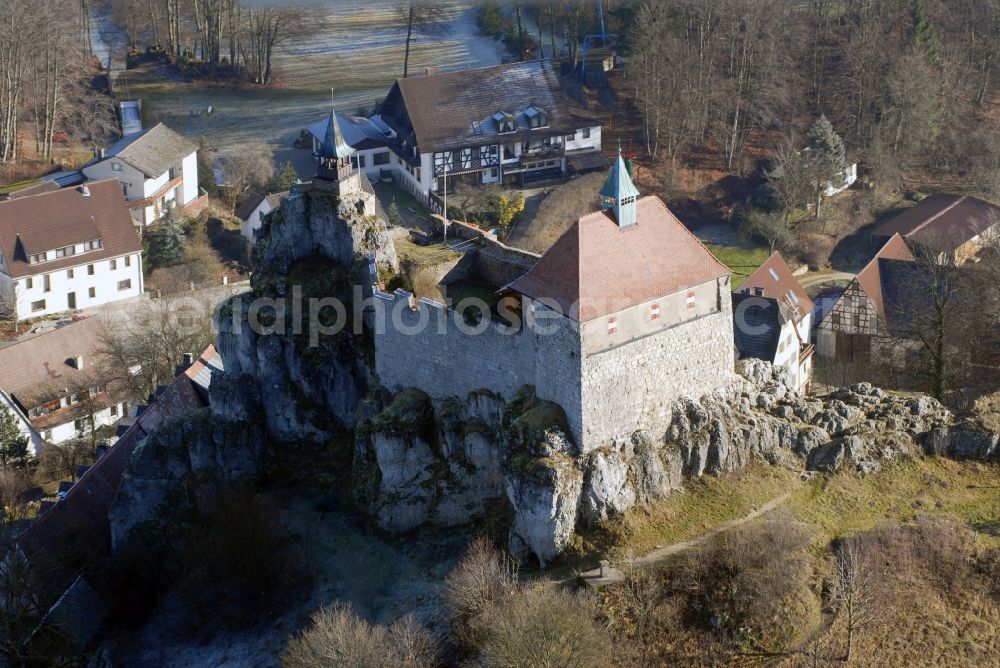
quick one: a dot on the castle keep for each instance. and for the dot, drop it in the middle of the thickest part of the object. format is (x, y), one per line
(626, 313)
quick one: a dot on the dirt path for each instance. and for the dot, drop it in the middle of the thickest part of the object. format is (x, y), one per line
(809, 280)
(611, 575)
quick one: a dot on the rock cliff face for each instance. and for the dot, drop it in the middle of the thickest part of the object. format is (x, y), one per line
(420, 463)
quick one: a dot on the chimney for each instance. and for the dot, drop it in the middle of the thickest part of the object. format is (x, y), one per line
(102, 153)
(78, 362)
(85, 191)
(188, 360)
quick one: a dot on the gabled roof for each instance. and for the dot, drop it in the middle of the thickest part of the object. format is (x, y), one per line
(941, 221)
(869, 279)
(152, 151)
(596, 267)
(52, 220)
(757, 323)
(774, 280)
(42, 364)
(456, 109)
(254, 199)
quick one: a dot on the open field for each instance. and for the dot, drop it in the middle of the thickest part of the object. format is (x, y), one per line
(742, 259)
(350, 58)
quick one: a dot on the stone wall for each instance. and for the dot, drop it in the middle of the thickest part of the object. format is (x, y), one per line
(499, 264)
(633, 386)
(421, 344)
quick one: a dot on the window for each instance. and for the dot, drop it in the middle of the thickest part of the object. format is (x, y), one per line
(69, 273)
(569, 138)
(47, 434)
(114, 410)
(116, 166)
(125, 285)
(585, 133)
(381, 158)
(113, 264)
(80, 424)
(612, 325)
(46, 283)
(690, 299)
(856, 320)
(93, 245)
(29, 283)
(128, 260)
(90, 270)
(836, 319)
(654, 312)
(92, 292)
(38, 306)
(359, 161)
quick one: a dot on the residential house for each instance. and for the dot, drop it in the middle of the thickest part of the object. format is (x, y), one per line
(75, 534)
(503, 124)
(158, 169)
(953, 225)
(772, 320)
(69, 249)
(252, 210)
(59, 384)
(856, 318)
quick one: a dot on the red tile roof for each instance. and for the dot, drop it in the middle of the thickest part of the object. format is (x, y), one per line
(774, 280)
(596, 267)
(870, 279)
(38, 223)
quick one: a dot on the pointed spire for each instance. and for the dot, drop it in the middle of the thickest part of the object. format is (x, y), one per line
(333, 145)
(619, 193)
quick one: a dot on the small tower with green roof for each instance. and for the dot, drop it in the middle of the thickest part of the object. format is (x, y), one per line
(620, 194)
(333, 157)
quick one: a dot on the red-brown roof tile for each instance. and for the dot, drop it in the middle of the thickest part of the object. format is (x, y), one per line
(52, 220)
(774, 280)
(870, 279)
(596, 267)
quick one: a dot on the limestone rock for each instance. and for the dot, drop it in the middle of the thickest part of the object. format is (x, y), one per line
(545, 501)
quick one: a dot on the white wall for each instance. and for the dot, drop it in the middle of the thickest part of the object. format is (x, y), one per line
(35, 442)
(189, 188)
(579, 142)
(137, 186)
(255, 220)
(67, 431)
(104, 281)
(133, 180)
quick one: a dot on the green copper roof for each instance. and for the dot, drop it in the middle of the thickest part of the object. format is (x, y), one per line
(619, 184)
(333, 145)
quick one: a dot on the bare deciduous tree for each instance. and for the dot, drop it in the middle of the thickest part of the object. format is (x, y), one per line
(856, 587)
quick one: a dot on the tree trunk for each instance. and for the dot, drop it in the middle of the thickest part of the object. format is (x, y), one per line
(409, 35)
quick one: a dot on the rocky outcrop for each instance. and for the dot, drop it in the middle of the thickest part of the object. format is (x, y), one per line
(181, 468)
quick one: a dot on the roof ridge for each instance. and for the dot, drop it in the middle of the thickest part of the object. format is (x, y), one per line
(961, 198)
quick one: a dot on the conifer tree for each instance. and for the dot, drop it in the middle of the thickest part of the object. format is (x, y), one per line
(283, 179)
(166, 243)
(395, 219)
(828, 157)
(923, 32)
(13, 444)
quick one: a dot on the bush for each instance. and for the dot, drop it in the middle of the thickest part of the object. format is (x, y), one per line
(545, 627)
(483, 580)
(339, 638)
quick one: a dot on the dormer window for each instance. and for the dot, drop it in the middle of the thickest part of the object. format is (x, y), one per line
(505, 121)
(536, 118)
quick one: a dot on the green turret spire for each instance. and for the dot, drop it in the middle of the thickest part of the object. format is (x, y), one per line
(620, 194)
(333, 145)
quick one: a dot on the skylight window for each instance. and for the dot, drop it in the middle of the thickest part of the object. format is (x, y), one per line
(773, 273)
(795, 297)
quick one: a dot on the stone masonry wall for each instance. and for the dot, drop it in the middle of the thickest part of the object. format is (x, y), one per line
(633, 386)
(425, 347)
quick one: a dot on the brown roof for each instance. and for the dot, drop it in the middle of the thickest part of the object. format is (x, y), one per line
(596, 267)
(33, 189)
(40, 366)
(870, 278)
(443, 107)
(44, 222)
(152, 151)
(253, 199)
(774, 280)
(78, 525)
(942, 221)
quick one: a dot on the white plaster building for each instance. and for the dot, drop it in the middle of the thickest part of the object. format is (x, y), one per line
(56, 383)
(252, 210)
(67, 250)
(510, 124)
(772, 320)
(158, 169)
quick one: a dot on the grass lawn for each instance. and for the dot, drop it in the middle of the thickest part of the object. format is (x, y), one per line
(425, 256)
(743, 260)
